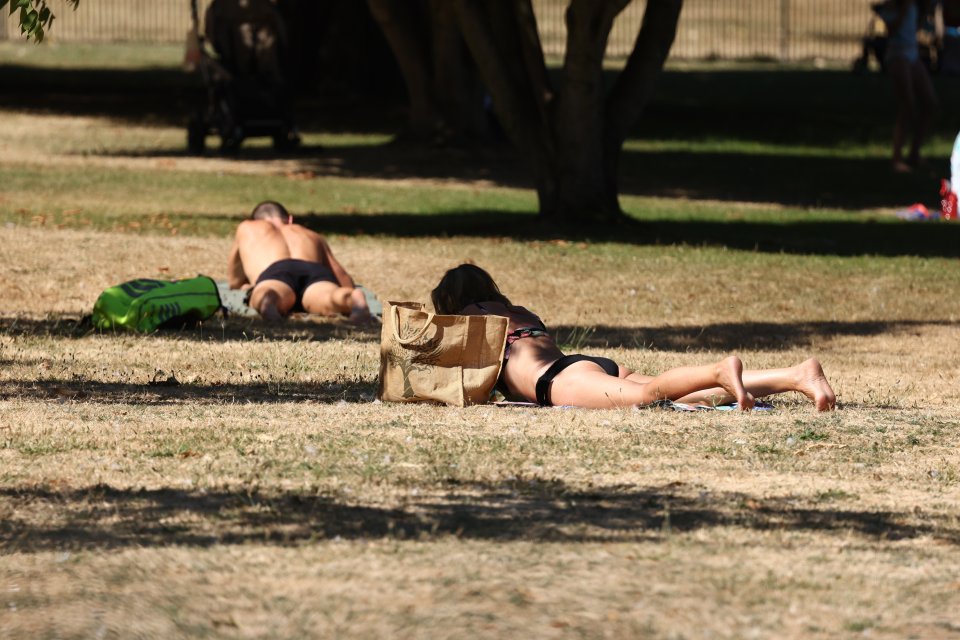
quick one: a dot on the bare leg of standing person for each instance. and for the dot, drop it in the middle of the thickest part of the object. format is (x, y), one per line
(925, 108)
(900, 71)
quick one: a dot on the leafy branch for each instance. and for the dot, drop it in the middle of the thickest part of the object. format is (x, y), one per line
(35, 16)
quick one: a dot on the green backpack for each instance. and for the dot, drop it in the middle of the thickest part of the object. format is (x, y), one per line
(145, 304)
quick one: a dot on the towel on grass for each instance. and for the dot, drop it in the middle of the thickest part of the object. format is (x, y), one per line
(235, 300)
(659, 404)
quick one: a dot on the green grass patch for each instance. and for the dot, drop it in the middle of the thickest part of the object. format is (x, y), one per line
(51, 54)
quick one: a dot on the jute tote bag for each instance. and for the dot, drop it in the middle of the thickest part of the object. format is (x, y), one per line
(426, 357)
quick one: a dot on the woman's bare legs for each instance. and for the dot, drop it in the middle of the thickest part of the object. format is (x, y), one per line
(585, 384)
(807, 378)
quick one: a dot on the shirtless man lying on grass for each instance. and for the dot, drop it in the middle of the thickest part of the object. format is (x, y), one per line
(290, 268)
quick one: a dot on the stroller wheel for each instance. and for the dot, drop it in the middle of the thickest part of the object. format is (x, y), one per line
(286, 141)
(230, 142)
(196, 136)
(229, 146)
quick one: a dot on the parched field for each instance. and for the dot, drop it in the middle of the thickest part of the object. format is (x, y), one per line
(240, 480)
(266, 494)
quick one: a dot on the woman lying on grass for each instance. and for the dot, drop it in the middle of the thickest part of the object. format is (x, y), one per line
(534, 368)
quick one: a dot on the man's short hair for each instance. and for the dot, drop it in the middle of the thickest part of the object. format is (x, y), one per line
(269, 209)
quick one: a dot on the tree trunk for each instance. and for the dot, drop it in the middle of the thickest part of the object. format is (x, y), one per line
(444, 88)
(571, 139)
(636, 83)
(402, 24)
(457, 86)
(578, 123)
(521, 95)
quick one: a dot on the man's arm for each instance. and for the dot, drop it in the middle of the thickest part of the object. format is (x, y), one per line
(343, 278)
(236, 276)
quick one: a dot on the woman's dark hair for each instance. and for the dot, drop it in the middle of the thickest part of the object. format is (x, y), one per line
(465, 285)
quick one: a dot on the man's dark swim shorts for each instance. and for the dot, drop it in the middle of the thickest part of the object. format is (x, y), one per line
(298, 275)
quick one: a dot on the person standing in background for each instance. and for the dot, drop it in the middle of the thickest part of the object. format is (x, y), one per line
(916, 98)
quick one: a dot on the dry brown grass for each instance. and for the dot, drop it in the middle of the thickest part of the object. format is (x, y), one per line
(239, 480)
(265, 495)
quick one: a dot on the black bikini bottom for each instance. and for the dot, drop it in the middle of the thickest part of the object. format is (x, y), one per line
(543, 384)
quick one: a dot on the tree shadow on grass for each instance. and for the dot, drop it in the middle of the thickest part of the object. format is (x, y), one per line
(104, 517)
(839, 238)
(785, 178)
(887, 237)
(166, 389)
(216, 329)
(781, 109)
(782, 178)
(732, 336)
(722, 336)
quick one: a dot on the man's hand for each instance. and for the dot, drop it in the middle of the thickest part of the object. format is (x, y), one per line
(236, 276)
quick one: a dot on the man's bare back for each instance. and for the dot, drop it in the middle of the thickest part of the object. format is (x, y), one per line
(259, 243)
(290, 268)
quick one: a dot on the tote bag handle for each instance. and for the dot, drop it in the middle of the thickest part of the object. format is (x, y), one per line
(395, 310)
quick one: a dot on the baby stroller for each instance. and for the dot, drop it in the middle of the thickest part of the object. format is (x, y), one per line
(247, 93)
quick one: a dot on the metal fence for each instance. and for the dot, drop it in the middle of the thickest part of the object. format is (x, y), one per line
(783, 30)
(726, 29)
(149, 21)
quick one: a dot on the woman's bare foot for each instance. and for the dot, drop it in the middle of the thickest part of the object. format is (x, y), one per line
(730, 377)
(812, 382)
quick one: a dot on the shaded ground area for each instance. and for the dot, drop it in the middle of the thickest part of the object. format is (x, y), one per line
(723, 336)
(167, 389)
(826, 109)
(936, 239)
(781, 234)
(787, 179)
(102, 516)
(735, 336)
(229, 329)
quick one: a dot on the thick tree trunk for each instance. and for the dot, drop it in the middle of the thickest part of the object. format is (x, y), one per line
(494, 31)
(443, 86)
(402, 25)
(572, 139)
(457, 87)
(636, 83)
(578, 123)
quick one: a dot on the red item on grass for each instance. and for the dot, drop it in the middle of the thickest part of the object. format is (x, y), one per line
(948, 201)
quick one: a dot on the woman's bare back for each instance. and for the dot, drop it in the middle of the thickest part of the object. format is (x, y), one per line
(528, 357)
